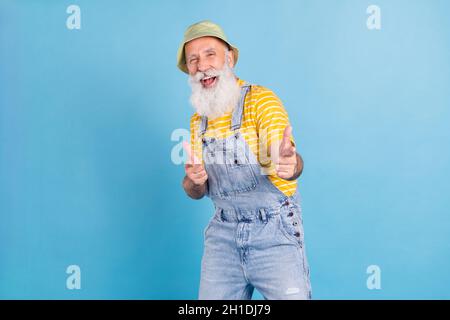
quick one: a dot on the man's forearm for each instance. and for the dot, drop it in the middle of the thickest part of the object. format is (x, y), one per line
(192, 190)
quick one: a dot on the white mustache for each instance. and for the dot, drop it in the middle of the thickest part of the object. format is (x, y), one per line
(206, 74)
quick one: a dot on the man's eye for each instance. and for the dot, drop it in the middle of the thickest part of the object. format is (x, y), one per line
(211, 54)
(192, 61)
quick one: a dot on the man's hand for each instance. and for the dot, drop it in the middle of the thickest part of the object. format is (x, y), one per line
(194, 180)
(194, 168)
(286, 164)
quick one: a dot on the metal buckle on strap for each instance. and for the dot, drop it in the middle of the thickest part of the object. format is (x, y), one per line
(220, 215)
(263, 214)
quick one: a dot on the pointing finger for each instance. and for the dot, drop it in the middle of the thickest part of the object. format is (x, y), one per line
(191, 158)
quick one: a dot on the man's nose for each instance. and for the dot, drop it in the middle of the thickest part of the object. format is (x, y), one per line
(202, 66)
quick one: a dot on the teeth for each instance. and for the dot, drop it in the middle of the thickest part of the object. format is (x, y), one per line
(207, 78)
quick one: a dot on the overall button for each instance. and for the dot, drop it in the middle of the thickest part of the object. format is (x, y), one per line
(297, 234)
(290, 214)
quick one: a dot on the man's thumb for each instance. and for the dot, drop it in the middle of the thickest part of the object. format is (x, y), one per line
(287, 133)
(286, 148)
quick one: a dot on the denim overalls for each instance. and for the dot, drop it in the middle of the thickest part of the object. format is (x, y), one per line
(255, 238)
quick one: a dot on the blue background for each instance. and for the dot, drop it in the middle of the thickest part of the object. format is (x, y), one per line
(86, 118)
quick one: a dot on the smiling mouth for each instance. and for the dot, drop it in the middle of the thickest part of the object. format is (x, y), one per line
(208, 82)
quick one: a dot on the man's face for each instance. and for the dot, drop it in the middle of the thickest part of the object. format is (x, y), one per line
(204, 54)
(215, 89)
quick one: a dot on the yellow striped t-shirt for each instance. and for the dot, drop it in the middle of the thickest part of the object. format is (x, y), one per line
(263, 115)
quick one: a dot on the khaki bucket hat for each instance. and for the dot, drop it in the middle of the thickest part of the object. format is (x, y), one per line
(202, 29)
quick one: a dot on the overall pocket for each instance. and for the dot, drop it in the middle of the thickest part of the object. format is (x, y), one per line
(229, 169)
(214, 219)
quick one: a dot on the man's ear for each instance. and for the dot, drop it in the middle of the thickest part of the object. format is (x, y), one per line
(230, 58)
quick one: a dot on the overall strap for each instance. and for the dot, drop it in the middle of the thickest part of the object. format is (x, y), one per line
(203, 125)
(236, 118)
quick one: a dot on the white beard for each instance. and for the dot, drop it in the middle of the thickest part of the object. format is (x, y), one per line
(218, 100)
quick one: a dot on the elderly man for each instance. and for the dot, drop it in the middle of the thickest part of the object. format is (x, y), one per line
(242, 156)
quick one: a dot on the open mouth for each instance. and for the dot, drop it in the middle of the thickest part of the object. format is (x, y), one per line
(208, 82)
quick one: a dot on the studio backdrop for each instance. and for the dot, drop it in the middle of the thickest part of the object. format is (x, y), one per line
(93, 111)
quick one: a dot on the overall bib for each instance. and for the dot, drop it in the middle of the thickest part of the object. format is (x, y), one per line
(255, 238)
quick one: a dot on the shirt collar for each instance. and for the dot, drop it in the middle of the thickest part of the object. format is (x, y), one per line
(240, 82)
